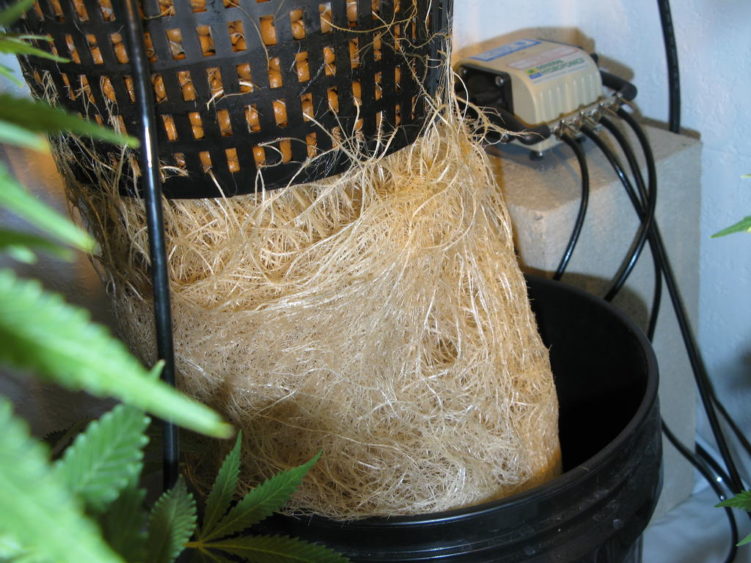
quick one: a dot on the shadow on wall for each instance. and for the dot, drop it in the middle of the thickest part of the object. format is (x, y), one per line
(627, 300)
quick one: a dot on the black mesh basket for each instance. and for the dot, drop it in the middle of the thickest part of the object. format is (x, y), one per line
(248, 85)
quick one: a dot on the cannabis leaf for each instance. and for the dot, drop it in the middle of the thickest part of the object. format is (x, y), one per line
(17, 45)
(171, 523)
(260, 502)
(8, 73)
(215, 535)
(19, 245)
(224, 487)
(744, 225)
(105, 457)
(18, 136)
(16, 199)
(40, 117)
(124, 523)
(15, 11)
(42, 333)
(47, 522)
(743, 501)
(277, 549)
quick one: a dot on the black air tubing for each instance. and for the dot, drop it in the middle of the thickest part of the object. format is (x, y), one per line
(694, 460)
(149, 160)
(649, 200)
(583, 203)
(671, 54)
(697, 364)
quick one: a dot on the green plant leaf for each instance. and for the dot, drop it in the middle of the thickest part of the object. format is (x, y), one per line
(741, 500)
(41, 333)
(41, 117)
(11, 550)
(16, 199)
(8, 73)
(209, 557)
(171, 523)
(20, 137)
(261, 502)
(36, 510)
(104, 458)
(277, 549)
(124, 523)
(12, 241)
(17, 46)
(14, 11)
(223, 489)
(744, 225)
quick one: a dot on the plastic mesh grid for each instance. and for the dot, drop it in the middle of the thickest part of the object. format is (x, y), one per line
(247, 85)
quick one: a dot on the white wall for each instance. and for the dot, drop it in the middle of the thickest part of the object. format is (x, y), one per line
(714, 40)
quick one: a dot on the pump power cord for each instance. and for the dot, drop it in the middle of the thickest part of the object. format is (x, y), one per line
(700, 466)
(671, 54)
(700, 375)
(648, 197)
(584, 170)
(646, 149)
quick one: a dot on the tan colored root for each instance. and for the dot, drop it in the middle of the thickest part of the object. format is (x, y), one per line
(379, 316)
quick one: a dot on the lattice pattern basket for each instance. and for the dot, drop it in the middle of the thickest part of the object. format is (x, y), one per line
(248, 85)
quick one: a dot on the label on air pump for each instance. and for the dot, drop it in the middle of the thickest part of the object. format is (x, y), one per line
(552, 62)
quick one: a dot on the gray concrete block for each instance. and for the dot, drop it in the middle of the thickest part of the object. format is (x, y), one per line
(543, 200)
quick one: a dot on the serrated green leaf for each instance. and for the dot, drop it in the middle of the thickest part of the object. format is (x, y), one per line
(41, 117)
(11, 134)
(223, 489)
(14, 11)
(741, 500)
(36, 510)
(124, 523)
(261, 502)
(17, 46)
(11, 241)
(16, 199)
(41, 333)
(277, 549)
(8, 73)
(104, 458)
(744, 225)
(209, 557)
(171, 524)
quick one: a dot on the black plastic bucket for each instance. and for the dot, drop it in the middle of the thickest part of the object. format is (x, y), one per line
(606, 377)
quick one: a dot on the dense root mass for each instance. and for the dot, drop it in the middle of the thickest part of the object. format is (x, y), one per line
(379, 316)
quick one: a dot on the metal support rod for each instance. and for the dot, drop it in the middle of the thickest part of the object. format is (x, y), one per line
(152, 193)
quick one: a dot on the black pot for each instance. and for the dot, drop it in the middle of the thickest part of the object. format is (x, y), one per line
(606, 378)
